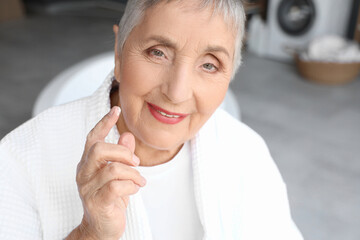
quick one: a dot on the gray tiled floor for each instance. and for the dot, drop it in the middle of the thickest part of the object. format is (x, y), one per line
(313, 131)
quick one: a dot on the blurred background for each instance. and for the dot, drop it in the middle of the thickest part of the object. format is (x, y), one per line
(298, 87)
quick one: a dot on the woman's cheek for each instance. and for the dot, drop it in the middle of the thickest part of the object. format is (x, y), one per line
(143, 76)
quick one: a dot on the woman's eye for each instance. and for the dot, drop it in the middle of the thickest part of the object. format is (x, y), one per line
(157, 53)
(209, 67)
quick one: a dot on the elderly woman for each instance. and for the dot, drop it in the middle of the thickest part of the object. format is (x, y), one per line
(158, 160)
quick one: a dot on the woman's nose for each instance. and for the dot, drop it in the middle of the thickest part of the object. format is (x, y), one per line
(178, 84)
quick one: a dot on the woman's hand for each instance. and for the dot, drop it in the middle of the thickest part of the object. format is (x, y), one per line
(105, 180)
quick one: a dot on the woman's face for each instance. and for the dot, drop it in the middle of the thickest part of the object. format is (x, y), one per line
(174, 72)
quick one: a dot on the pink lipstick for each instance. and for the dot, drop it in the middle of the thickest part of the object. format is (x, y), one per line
(164, 116)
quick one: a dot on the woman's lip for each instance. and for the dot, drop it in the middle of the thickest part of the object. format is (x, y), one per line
(167, 112)
(165, 116)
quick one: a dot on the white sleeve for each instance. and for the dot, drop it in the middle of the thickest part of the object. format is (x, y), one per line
(275, 203)
(263, 195)
(282, 225)
(19, 217)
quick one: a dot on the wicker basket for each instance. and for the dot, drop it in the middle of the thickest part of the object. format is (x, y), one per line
(327, 72)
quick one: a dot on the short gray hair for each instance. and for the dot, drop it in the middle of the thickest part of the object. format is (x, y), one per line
(230, 9)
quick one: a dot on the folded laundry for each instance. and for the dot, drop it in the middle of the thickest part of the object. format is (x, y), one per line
(331, 48)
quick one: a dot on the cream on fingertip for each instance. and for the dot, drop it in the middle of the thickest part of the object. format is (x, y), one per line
(115, 110)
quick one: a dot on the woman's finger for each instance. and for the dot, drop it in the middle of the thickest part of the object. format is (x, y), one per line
(112, 191)
(115, 171)
(127, 139)
(102, 128)
(101, 153)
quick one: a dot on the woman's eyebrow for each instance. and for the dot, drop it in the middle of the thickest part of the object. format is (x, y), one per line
(162, 40)
(218, 49)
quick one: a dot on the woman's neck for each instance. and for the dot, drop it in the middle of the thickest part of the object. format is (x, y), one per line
(149, 156)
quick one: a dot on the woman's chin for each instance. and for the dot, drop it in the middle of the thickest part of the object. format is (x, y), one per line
(162, 141)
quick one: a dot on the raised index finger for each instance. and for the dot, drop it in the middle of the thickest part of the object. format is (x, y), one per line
(102, 128)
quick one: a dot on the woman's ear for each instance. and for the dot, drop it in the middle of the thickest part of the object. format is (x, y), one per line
(116, 53)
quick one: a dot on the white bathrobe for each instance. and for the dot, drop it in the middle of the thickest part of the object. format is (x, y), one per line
(239, 192)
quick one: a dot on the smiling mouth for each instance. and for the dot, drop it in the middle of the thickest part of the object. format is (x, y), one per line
(166, 113)
(165, 116)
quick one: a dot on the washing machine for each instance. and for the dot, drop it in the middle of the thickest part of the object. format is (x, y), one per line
(292, 24)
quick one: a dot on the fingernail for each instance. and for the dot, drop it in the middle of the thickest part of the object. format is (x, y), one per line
(136, 159)
(143, 181)
(115, 110)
